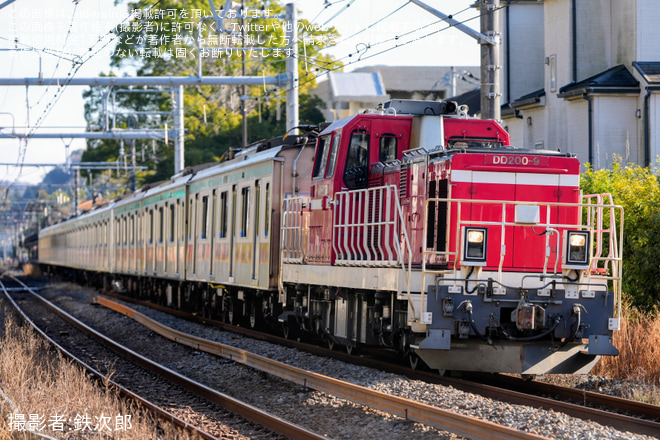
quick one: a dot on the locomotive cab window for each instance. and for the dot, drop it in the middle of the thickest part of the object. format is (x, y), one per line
(387, 147)
(332, 159)
(321, 156)
(357, 160)
(467, 142)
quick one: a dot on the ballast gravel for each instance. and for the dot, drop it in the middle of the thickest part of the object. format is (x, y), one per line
(312, 409)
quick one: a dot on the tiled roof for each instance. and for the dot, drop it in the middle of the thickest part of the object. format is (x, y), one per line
(617, 79)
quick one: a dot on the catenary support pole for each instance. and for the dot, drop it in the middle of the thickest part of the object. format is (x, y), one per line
(179, 130)
(291, 67)
(490, 61)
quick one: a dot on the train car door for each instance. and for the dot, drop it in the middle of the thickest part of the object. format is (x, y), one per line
(255, 229)
(232, 234)
(212, 232)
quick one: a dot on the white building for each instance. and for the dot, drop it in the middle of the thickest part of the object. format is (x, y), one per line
(583, 76)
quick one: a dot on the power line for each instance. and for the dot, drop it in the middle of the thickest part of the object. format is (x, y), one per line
(362, 57)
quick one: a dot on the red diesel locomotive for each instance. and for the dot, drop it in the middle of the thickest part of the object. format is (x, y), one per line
(410, 227)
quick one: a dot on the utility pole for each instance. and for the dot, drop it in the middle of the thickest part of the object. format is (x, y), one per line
(490, 61)
(75, 191)
(179, 162)
(490, 58)
(292, 68)
(244, 91)
(133, 163)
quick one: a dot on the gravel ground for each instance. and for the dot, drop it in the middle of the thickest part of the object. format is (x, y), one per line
(318, 410)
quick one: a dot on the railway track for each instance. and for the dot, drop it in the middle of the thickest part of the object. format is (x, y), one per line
(411, 410)
(169, 389)
(309, 382)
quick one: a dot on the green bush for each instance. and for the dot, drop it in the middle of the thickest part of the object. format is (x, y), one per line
(637, 190)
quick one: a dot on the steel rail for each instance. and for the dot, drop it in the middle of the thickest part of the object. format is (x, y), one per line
(262, 418)
(401, 407)
(123, 392)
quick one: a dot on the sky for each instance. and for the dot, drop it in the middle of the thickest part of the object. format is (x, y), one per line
(76, 37)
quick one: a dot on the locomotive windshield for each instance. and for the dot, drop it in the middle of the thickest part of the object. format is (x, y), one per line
(466, 142)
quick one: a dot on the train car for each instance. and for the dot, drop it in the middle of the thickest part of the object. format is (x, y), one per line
(409, 227)
(83, 242)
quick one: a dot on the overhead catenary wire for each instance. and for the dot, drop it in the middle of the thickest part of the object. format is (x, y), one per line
(361, 57)
(76, 65)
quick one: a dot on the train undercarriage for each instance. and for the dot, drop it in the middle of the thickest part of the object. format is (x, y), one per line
(528, 335)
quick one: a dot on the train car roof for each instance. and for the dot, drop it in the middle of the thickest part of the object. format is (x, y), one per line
(244, 160)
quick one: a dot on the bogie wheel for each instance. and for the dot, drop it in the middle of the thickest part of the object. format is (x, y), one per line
(253, 316)
(290, 332)
(415, 362)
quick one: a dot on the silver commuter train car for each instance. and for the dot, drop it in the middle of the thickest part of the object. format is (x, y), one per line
(205, 240)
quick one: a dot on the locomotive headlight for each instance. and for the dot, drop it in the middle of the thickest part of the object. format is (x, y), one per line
(577, 250)
(475, 246)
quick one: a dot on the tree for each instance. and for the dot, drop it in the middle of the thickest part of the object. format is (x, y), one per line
(637, 190)
(162, 41)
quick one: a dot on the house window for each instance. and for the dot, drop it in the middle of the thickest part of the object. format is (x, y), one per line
(553, 73)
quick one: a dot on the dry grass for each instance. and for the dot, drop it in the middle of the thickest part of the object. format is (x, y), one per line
(38, 382)
(638, 342)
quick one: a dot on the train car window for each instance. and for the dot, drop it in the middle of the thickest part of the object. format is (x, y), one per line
(257, 206)
(172, 222)
(332, 160)
(117, 229)
(161, 224)
(267, 210)
(195, 214)
(223, 214)
(132, 230)
(214, 203)
(151, 226)
(245, 211)
(124, 232)
(205, 215)
(190, 219)
(357, 160)
(387, 148)
(321, 156)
